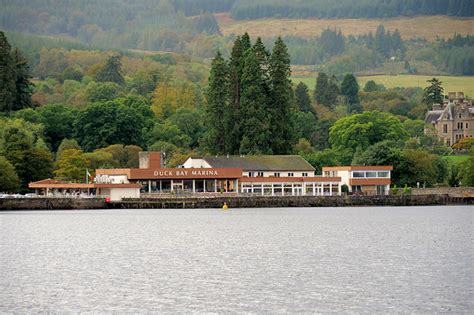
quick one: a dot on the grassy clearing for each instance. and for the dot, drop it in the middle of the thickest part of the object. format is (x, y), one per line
(450, 83)
(428, 27)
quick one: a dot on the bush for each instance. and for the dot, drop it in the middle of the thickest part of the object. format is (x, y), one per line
(407, 190)
(395, 190)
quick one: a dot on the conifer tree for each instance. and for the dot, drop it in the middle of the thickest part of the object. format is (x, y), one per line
(112, 71)
(280, 72)
(333, 90)
(321, 88)
(254, 119)
(235, 91)
(302, 98)
(217, 106)
(246, 43)
(7, 75)
(23, 86)
(350, 89)
(433, 94)
(326, 90)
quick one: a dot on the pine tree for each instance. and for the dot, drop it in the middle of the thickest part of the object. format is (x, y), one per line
(326, 90)
(245, 41)
(112, 71)
(332, 91)
(235, 91)
(302, 98)
(433, 94)
(280, 72)
(254, 119)
(7, 76)
(350, 89)
(217, 106)
(23, 86)
(321, 88)
(262, 55)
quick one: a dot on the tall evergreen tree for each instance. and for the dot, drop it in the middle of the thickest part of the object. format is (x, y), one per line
(350, 89)
(246, 43)
(433, 94)
(280, 72)
(326, 90)
(7, 75)
(217, 106)
(235, 91)
(112, 71)
(23, 85)
(255, 118)
(321, 88)
(302, 98)
(332, 91)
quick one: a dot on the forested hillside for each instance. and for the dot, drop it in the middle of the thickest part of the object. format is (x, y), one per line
(87, 84)
(251, 9)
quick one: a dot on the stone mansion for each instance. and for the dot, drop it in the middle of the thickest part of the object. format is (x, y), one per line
(453, 120)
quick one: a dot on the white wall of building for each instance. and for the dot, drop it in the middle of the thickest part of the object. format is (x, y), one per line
(111, 179)
(196, 163)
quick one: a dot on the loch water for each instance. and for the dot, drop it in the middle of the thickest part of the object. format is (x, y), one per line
(280, 260)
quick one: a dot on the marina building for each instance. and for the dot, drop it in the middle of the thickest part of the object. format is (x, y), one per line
(263, 175)
(367, 180)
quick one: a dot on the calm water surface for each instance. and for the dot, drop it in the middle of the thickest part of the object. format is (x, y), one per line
(417, 259)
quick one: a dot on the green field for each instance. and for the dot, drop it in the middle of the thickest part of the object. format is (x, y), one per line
(450, 83)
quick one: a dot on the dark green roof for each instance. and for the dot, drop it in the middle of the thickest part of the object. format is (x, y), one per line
(261, 162)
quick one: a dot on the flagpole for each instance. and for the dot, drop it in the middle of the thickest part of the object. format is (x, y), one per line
(87, 176)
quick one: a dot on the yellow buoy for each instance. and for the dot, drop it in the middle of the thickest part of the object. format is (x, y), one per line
(225, 206)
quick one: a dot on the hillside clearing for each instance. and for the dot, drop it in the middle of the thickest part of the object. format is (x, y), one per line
(409, 27)
(450, 83)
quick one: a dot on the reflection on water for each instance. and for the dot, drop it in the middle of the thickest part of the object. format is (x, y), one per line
(244, 260)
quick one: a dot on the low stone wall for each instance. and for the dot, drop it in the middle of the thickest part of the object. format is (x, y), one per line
(451, 191)
(51, 203)
(303, 201)
(232, 202)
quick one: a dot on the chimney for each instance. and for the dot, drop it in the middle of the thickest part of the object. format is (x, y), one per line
(436, 106)
(149, 160)
(452, 96)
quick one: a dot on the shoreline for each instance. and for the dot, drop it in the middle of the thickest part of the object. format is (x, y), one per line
(16, 204)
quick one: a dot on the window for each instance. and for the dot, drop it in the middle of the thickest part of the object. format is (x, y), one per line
(356, 189)
(445, 128)
(467, 125)
(383, 174)
(250, 174)
(371, 174)
(259, 174)
(448, 142)
(276, 174)
(459, 115)
(380, 189)
(358, 174)
(305, 174)
(461, 125)
(291, 174)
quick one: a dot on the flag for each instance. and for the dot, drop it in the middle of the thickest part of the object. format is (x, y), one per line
(89, 177)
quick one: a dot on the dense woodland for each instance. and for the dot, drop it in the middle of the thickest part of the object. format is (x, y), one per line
(87, 86)
(188, 26)
(249, 9)
(97, 109)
